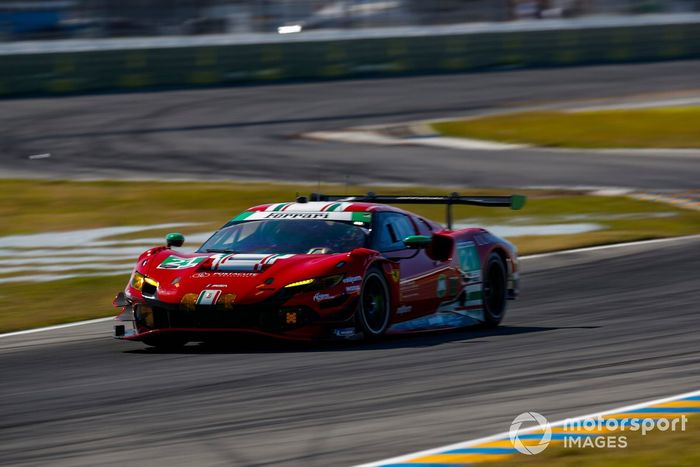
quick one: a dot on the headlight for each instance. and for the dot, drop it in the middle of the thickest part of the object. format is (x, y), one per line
(318, 283)
(300, 283)
(137, 280)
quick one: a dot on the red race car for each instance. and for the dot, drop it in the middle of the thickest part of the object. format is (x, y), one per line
(328, 267)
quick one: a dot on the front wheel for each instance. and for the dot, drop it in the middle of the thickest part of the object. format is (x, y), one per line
(494, 290)
(375, 305)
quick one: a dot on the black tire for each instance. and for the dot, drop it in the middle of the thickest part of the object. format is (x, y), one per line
(374, 309)
(165, 343)
(494, 290)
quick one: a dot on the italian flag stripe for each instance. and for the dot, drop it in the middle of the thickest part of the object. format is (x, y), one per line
(334, 207)
(268, 259)
(200, 298)
(361, 216)
(243, 215)
(280, 206)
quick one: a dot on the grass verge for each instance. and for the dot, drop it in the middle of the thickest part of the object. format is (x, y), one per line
(667, 127)
(28, 207)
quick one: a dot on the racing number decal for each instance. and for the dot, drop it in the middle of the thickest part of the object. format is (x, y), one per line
(175, 262)
(469, 260)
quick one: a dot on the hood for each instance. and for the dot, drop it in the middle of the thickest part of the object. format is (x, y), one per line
(250, 277)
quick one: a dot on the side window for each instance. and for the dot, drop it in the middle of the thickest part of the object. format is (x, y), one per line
(389, 231)
(424, 227)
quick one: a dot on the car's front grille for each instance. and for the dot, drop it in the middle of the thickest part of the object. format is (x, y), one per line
(242, 316)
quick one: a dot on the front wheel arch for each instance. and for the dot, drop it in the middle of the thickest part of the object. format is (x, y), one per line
(375, 306)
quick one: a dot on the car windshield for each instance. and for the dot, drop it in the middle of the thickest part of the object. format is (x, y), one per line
(287, 236)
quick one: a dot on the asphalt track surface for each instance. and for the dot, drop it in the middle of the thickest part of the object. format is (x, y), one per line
(592, 331)
(250, 132)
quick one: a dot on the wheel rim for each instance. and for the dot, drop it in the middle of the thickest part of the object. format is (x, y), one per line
(374, 301)
(494, 288)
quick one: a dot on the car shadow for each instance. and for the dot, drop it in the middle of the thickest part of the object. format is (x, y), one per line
(255, 345)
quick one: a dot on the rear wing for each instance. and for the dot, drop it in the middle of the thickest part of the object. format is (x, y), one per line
(514, 202)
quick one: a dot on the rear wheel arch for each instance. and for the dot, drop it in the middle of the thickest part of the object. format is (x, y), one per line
(505, 258)
(494, 288)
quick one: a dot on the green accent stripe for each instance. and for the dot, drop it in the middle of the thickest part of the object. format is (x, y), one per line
(361, 217)
(474, 295)
(242, 216)
(333, 207)
(280, 206)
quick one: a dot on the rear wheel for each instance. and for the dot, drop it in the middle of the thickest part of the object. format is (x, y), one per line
(494, 290)
(168, 343)
(375, 305)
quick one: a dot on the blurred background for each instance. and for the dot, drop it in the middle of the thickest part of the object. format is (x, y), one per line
(62, 19)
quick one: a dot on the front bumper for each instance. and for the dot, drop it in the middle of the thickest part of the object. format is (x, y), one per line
(140, 321)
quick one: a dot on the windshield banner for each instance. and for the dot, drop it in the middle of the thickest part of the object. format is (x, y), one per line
(286, 215)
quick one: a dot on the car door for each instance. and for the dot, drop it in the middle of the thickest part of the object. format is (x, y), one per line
(422, 281)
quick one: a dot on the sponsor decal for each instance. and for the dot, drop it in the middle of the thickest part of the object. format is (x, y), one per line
(297, 215)
(441, 319)
(353, 288)
(396, 275)
(200, 275)
(441, 286)
(403, 309)
(344, 332)
(307, 213)
(409, 289)
(320, 297)
(235, 274)
(208, 297)
(469, 262)
(175, 262)
(350, 280)
(222, 286)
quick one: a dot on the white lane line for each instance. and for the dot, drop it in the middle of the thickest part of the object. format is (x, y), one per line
(543, 255)
(58, 326)
(39, 156)
(612, 246)
(500, 436)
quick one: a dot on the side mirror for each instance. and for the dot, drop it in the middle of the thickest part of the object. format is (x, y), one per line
(174, 239)
(438, 247)
(418, 242)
